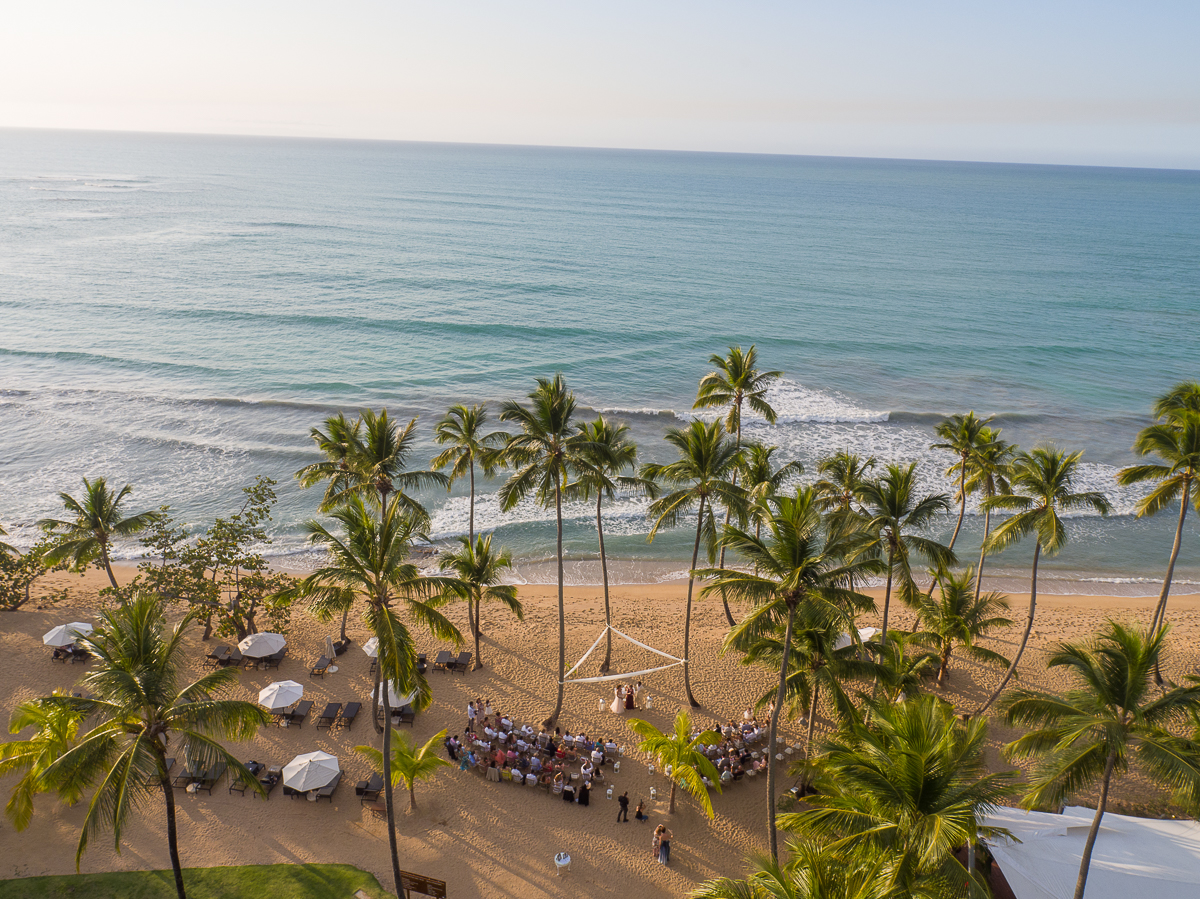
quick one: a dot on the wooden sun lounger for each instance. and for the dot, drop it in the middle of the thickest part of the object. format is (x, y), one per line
(328, 717)
(301, 712)
(444, 660)
(369, 790)
(349, 713)
(326, 792)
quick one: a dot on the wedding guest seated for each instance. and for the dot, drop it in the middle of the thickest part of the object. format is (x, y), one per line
(587, 770)
(500, 758)
(535, 765)
(610, 748)
(511, 757)
(506, 723)
(597, 757)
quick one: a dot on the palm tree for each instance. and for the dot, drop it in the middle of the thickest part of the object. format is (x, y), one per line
(1176, 441)
(844, 474)
(1088, 734)
(6, 548)
(477, 570)
(800, 566)
(762, 480)
(370, 558)
(899, 674)
(703, 474)
(543, 455)
(813, 871)
(606, 451)
(55, 728)
(893, 516)
(99, 519)
(461, 431)
(960, 617)
(987, 474)
(140, 710)
(912, 782)
(409, 763)
(680, 757)
(337, 444)
(1047, 478)
(966, 436)
(736, 381)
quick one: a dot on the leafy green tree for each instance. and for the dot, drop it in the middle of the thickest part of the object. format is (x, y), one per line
(55, 728)
(897, 671)
(987, 475)
(18, 573)
(98, 520)
(763, 480)
(680, 757)
(842, 478)
(140, 711)
(959, 617)
(910, 782)
(702, 476)
(410, 763)
(801, 568)
(1088, 734)
(812, 871)
(337, 444)
(1046, 478)
(605, 452)
(543, 456)
(736, 381)
(478, 570)
(966, 436)
(893, 518)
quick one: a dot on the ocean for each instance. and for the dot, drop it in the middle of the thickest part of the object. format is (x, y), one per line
(177, 311)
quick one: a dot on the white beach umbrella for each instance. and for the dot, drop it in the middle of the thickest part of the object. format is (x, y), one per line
(258, 645)
(393, 700)
(371, 647)
(864, 634)
(310, 771)
(66, 634)
(280, 694)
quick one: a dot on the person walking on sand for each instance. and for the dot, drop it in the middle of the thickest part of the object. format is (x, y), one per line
(662, 838)
(623, 812)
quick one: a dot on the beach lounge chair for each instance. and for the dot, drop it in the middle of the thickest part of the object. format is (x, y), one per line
(210, 777)
(241, 783)
(378, 809)
(405, 715)
(185, 777)
(374, 665)
(462, 663)
(422, 664)
(233, 660)
(328, 717)
(297, 716)
(326, 792)
(443, 661)
(290, 793)
(369, 790)
(269, 780)
(320, 666)
(349, 713)
(60, 654)
(273, 660)
(214, 657)
(79, 654)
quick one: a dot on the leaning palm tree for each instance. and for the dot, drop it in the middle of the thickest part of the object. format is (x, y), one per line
(703, 475)
(734, 383)
(410, 762)
(477, 570)
(966, 436)
(55, 728)
(370, 558)
(98, 520)
(1176, 441)
(605, 452)
(543, 457)
(960, 617)
(680, 757)
(893, 518)
(1046, 476)
(462, 432)
(799, 568)
(140, 710)
(1088, 734)
(987, 475)
(911, 781)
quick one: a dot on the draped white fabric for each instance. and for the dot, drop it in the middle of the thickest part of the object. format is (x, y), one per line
(567, 679)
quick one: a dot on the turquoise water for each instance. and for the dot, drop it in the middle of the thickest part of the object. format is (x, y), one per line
(178, 311)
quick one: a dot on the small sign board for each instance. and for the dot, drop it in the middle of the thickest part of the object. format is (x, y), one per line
(416, 883)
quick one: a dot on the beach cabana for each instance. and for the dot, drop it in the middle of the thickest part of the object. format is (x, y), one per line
(394, 701)
(66, 634)
(280, 694)
(1132, 856)
(310, 771)
(864, 634)
(371, 647)
(257, 646)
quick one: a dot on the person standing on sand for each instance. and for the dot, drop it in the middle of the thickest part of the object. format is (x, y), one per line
(623, 801)
(471, 717)
(640, 812)
(663, 839)
(618, 702)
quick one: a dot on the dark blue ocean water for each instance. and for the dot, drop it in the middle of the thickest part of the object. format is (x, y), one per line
(178, 311)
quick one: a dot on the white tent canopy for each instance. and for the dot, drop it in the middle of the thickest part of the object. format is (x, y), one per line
(672, 663)
(1133, 857)
(371, 647)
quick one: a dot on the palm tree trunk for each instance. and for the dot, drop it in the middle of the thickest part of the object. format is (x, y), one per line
(478, 655)
(412, 794)
(1086, 861)
(562, 620)
(962, 504)
(687, 618)
(112, 578)
(387, 786)
(1161, 610)
(887, 597)
(345, 615)
(172, 833)
(671, 801)
(812, 720)
(987, 530)
(944, 668)
(378, 681)
(604, 574)
(1037, 551)
(773, 732)
(728, 511)
(472, 616)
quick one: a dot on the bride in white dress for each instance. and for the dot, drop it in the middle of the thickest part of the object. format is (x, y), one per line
(618, 703)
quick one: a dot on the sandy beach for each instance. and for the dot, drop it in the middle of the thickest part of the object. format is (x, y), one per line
(493, 840)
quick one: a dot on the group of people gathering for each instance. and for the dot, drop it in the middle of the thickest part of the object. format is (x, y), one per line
(733, 756)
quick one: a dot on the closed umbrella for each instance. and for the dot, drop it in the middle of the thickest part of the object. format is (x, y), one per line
(280, 694)
(310, 771)
(393, 700)
(257, 646)
(66, 634)
(371, 647)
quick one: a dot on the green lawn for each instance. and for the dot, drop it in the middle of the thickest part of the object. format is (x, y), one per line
(273, 881)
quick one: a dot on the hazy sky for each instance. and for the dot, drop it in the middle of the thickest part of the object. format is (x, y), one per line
(1094, 82)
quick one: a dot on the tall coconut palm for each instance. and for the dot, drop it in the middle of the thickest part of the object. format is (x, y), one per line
(1176, 441)
(478, 570)
(1088, 734)
(1046, 478)
(370, 558)
(800, 566)
(966, 436)
(899, 673)
(911, 781)
(736, 381)
(842, 477)
(337, 443)
(462, 432)
(959, 617)
(813, 871)
(987, 475)
(140, 710)
(893, 517)
(543, 457)
(703, 475)
(762, 480)
(55, 728)
(410, 762)
(98, 520)
(680, 757)
(605, 452)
